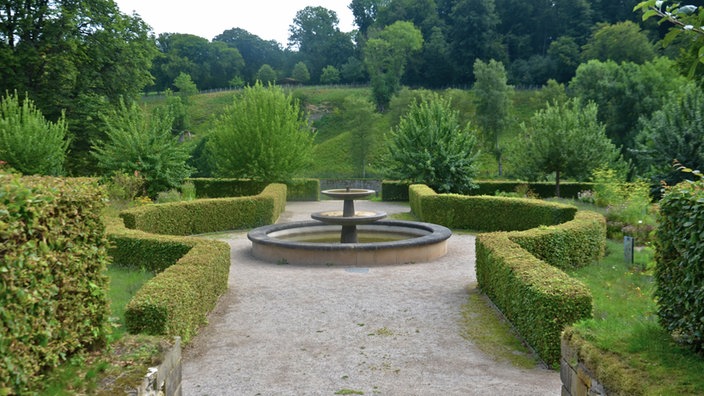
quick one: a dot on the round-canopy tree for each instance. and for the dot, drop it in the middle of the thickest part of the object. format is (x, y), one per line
(263, 135)
(430, 146)
(565, 140)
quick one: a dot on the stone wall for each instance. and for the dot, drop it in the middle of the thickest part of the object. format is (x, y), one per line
(577, 380)
(165, 379)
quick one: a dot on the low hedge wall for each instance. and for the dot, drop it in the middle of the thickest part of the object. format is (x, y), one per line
(297, 189)
(208, 215)
(398, 190)
(537, 298)
(485, 213)
(519, 266)
(192, 272)
(53, 288)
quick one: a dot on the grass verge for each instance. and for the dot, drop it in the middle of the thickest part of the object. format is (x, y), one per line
(625, 324)
(491, 333)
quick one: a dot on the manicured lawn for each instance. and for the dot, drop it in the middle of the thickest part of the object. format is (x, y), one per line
(625, 323)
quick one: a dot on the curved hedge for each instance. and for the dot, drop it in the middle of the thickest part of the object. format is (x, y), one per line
(192, 272)
(519, 267)
(394, 190)
(208, 215)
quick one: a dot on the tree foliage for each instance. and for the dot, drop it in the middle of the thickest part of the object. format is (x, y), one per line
(266, 74)
(255, 51)
(386, 55)
(28, 142)
(430, 146)
(316, 35)
(142, 143)
(330, 75)
(263, 135)
(362, 122)
(566, 140)
(75, 58)
(675, 132)
(494, 104)
(300, 73)
(623, 93)
(620, 42)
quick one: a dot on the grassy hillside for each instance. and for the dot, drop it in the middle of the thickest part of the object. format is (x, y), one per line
(335, 131)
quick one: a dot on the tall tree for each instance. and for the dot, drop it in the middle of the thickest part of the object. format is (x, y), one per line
(430, 146)
(77, 57)
(386, 55)
(675, 132)
(263, 135)
(624, 93)
(472, 35)
(494, 105)
(566, 140)
(316, 35)
(254, 50)
(620, 42)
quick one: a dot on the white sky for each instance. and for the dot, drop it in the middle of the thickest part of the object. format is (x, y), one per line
(268, 19)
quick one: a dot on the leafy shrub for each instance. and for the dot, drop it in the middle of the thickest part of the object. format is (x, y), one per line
(263, 135)
(679, 272)
(172, 195)
(28, 142)
(125, 187)
(188, 191)
(430, 146)
(54, 291)
(208, 215)
(138, 142)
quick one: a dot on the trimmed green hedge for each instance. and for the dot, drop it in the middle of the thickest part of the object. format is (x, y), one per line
(53, 289)
(208, 215)
(297, 189)
(485, 213)
(537, 298)
(679, 273)
(519, 268)
(576, 243)
(177, 300)
(192, 272)
(398, 191)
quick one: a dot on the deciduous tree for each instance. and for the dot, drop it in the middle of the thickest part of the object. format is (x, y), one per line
(564, 140)
(263, 135)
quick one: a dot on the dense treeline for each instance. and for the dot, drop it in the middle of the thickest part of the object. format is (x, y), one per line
(80, 62)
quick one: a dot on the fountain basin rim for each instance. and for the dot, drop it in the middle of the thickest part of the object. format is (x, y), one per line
(428, 234)
(365, 217)
(352, 193)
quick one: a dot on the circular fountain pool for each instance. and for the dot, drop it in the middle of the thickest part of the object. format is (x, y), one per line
(379, 243)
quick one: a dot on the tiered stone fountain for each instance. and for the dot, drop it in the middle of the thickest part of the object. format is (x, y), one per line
(349, 237)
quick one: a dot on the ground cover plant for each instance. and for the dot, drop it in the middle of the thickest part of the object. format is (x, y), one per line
(625, 324)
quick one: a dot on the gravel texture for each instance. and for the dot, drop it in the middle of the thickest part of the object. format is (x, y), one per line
(327, 330)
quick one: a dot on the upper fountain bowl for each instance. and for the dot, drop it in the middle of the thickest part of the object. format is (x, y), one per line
(348, 193)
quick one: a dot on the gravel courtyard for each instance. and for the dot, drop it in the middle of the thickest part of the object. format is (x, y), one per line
(327, 330)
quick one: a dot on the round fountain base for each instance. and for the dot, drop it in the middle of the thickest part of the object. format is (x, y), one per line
(394, 242)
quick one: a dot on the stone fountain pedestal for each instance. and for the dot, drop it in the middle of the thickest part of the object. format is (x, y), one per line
(349, 219)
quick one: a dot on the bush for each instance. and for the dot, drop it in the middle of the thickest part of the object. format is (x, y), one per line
(296, 189)
(28, 142)
(539, 300)
(679, 272)
(125, 187)
(54, 291)
(143, 144)
(485, 213)
(430, 146)
(208, 215)
(394, 190)
(263, 135)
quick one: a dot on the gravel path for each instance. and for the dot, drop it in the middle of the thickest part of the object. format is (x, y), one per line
(390, 330)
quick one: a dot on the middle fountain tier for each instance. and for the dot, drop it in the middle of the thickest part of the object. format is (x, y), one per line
(348, 218)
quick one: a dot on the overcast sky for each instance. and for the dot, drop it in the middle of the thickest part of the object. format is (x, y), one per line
(268, 19)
